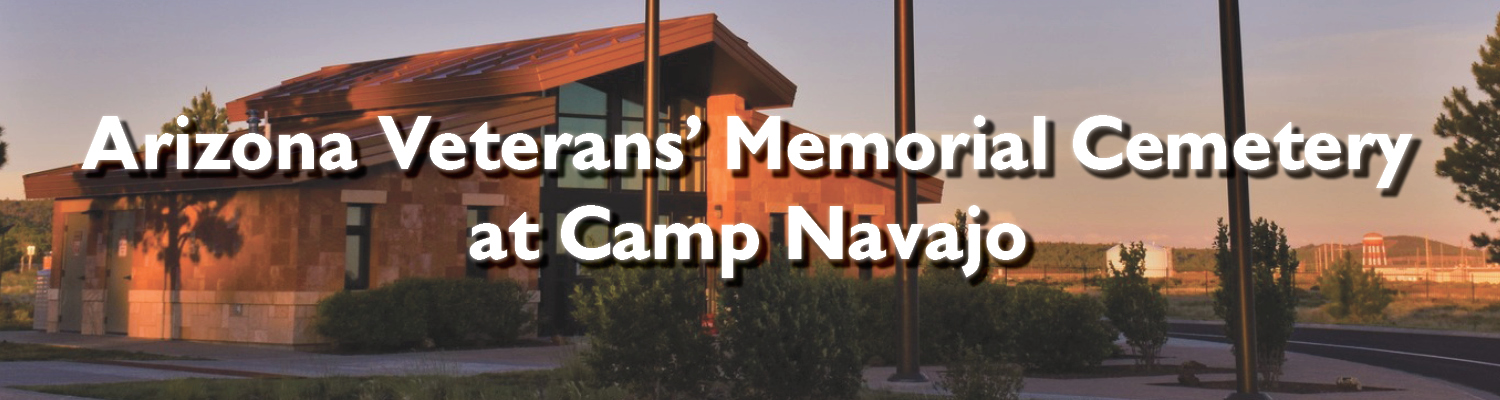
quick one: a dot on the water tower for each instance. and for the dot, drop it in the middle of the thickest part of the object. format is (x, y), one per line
(1374, 250)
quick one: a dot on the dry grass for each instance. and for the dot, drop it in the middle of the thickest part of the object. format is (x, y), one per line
(1408, 311)
(17, 290)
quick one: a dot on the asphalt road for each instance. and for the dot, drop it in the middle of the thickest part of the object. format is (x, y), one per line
(1471, 361)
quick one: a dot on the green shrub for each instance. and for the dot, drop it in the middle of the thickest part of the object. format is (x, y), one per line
(1036, 326)
(953, 316)
(1274, 268)
(420, 312)
(1353, 292)
(978, 376)
(646, 332)
(468, 312)
(1135, 306)
(1056, 331)
(787, 335)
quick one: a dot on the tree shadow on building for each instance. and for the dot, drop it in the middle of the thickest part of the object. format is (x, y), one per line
(188, 226)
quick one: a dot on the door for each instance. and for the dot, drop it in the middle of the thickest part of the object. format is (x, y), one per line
(70, 281)
(121, 245)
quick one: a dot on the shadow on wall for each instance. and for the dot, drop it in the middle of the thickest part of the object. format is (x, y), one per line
(186, 225)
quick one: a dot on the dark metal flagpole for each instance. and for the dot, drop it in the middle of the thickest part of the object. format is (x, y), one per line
(1239, 202)
(908, 366)
(653, 53)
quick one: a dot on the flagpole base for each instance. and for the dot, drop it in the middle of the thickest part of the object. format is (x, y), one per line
(915, 377)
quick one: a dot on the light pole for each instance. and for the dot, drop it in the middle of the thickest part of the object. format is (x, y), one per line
(908, 365)
(653, 53)
(1239, 201)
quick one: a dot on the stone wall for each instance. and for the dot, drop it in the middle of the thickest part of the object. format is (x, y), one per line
(752, 194)
(254, 262)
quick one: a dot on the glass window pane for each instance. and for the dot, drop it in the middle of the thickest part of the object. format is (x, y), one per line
(578, 126)
(690, 176)
(631, 179)
(628, 127)
(569, 176)
(558, 227)
(578, 98)
(352, 252)
(632, 109)
(354, 216)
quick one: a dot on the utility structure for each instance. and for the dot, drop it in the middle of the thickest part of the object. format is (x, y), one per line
(908, 364)
(1233, 75)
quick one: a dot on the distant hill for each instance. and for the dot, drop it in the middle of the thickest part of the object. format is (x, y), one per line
(1075, 257)
(1068, 257)
(1401, 251)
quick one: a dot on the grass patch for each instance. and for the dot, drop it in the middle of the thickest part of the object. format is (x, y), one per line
(17, 290)
(1191, 307)
(39, 352)
(549, 384)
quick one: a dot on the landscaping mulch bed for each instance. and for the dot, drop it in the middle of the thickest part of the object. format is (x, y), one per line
(1286, 387)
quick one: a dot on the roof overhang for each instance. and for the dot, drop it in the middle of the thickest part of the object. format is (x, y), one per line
(512, 68)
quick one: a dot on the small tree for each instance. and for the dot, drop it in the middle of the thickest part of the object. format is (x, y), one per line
(206, 116)
(1353, 292)
(1473, 160)
(1274, 265)
(3, 147)
(646, 331)
(1135, 306)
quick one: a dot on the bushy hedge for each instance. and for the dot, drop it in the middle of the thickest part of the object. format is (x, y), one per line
(1038, 327)
(646, 331)
(422, 312)
(788, 335)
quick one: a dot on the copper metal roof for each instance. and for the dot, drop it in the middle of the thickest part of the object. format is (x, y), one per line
(461, 88)
(508, 68)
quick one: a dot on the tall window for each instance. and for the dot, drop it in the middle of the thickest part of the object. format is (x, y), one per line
(589, 233)
(357, 247)
(585, 108)
(778, 230)
(690, 178)
(581, 109)
(866, 268)
(475, 216)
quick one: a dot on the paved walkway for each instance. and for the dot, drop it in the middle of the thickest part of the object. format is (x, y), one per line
(230, 361)
(1299, 368)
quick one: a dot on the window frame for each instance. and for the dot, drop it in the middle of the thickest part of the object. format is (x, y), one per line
(362, 231)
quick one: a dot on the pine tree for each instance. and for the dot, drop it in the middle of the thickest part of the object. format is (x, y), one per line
(206, 116)
(3, 147)
(1473, 160)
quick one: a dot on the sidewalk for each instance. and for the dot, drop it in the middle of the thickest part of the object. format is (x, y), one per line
(281, 361)
(284, 361)
(1299, 368)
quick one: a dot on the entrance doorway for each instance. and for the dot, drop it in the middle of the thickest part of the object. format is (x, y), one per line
(119, 247)
(70, 279)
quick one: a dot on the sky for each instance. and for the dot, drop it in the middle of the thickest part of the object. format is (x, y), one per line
(1339, 66)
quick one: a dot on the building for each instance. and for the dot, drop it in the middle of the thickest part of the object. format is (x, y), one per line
(1373, 247)
(1158, 260)
(243, 258)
